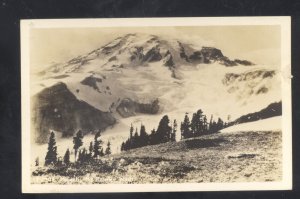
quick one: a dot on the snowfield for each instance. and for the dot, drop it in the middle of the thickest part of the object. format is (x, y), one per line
(270, 124)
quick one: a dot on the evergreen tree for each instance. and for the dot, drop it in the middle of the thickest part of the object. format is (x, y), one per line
(123, 147)
(194, 126)
(220, 124)
(174, 130)
(210, 124)
(59, 161)
(143, 136)
(37, 161)
(131, 131)
(98, 145)
(108, 150)
(77, 141)
(84, 155)
(91, 149)
(51, 156)
(185, 127)
(79, 159)
(67, 157)
(163, 130)
(152, 137)
(205, 124)
(200, 124)
(135, 139)
(101, 152)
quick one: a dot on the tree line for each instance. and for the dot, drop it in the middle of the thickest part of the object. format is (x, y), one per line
(81, 154)
(199, 125)
(166, 132)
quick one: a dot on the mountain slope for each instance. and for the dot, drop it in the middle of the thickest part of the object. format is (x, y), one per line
(222, 157)
(139, 77)
(56, 108)
(269, 124)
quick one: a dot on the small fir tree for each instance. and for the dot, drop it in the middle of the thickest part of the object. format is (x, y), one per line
(67, 157)
(185, 127)
(98, 145)
(51, 156)
(77, 141)
(108, 150)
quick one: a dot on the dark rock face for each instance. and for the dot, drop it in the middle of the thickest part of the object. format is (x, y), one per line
(227, 62)
(231, 77)
(153, 55)
(243, 62)
(274, 109)
(56, 108)
(128, 107)
(113, 58)
(182, 52)
(169, 60)
(211, 53)
(197, 57)
(92, 82)
(137, 55)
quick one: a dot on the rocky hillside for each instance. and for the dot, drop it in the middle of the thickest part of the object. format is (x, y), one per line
(218, 158)
(274, 109)
(56, 108)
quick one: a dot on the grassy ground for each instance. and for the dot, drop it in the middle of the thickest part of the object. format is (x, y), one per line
(226, 157)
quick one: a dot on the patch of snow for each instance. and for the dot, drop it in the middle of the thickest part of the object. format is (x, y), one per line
(270, 124)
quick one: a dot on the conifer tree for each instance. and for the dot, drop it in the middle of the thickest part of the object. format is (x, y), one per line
(79, 159)
(199, 124)
(101, 152)
(37, 161)
(163, 130)
(220, 124)
(152, 137)
(82, 156)
(131, 131)
(185, 127)
(194, 125)
(123, 147)
(67, 157)
(134, 142)
(108, 150)
(51, 156)
(143, 138)
(91, 149)
(77, 141)
(97, 145)
(210, 124)
(205, 128)
(174, 130)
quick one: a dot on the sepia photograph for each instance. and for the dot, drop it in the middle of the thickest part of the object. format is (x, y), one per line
(156, 104)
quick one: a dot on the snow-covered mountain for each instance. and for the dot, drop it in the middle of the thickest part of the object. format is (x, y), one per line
(139, 77)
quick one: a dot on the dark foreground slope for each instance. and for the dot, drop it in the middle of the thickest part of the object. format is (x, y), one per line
(230, 157)
(56, 108)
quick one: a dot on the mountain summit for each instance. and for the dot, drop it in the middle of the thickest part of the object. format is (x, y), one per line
(134, 50)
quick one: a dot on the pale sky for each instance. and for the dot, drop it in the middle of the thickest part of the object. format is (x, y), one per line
(261, 43)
